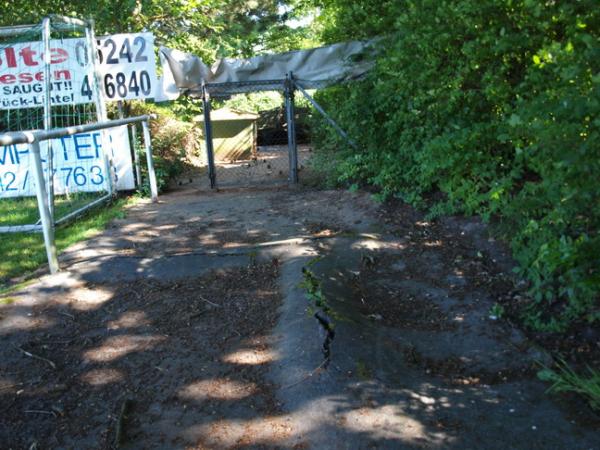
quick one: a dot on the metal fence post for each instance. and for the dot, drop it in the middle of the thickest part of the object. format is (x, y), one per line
(208, 138)
(150, 162)
(101, 113)
(48, 113)
(42, 199)
(136, 157)
(291, 123)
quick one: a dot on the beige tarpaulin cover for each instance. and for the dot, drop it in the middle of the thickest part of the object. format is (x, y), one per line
(313, 68)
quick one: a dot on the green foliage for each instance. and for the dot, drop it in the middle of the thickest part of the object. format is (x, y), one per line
(497, 311)
(174, 144)
(208, 28)
(312, 284)
(494, 105)
(565, 379)
(255, 101)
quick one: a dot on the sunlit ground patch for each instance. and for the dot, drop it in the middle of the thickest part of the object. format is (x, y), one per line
(372, 244)
(84, 299)
(118, 346)
(217, 388)
(249, 357)
(271, 431)
(99, 377)
(390, 422)
(129, 319)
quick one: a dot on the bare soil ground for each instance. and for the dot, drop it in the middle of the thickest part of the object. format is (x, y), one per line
(174, 353)
(189, 313)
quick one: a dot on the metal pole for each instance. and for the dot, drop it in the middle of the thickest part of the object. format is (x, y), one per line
(291, 123)
(70, 21)
(150, 162)
(42, 199)
(48, 113)
(20, 228)
(120, 109)
(17, 30)
(210, 155)
(327, 117)
(100, 105)
(20, 137)
(136, 157)
(79, 211)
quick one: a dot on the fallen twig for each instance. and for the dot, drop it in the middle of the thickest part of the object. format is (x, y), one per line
(39, 411)
(198, 314)
(70, 316)
(31, 355)
(309, 374)
(10, 386)
(68, 341)
(120, 431)
(208, 301)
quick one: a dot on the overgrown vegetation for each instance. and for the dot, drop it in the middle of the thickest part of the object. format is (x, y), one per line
(175, 143)
(491, 108)
(313, 287)
(565, 379)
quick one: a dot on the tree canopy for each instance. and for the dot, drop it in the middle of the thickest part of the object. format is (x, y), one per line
(210, 28)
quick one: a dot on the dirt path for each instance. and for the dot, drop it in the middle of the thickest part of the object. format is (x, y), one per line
(190, 314)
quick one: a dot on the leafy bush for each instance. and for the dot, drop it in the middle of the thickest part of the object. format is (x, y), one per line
(496, 105)
(175, 143)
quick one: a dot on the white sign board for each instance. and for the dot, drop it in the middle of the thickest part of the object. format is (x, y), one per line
(78, 164)
(127, 68)
(22, 74)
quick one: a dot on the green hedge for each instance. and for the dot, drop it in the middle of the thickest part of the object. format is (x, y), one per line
(495, 104)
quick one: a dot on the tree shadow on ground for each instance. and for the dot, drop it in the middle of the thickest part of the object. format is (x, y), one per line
(197, 336)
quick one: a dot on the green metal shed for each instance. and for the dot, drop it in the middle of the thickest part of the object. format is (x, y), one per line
(234, 134)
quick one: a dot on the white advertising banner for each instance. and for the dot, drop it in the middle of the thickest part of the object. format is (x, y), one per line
(78, 164)
(127, 68)
(22, 74)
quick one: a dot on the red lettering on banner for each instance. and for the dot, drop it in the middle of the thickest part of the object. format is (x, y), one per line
(27, 54)
(58, 55)
(26, 77)
(11, 59)
(30, 57)
(7, 79)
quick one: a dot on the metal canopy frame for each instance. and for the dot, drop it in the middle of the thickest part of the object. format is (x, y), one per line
(289, 86)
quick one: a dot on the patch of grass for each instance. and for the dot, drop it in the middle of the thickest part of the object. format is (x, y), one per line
(23, 253)
(24, 211)
(496, 312)
(565, 379)
(363, 371)
(7, 289)
(312, 284)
